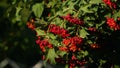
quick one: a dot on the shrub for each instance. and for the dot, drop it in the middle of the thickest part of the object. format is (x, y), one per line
(77, 32)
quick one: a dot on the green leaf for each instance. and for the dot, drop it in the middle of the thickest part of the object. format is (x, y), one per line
(38, 9)
(85, 9)
(66, 66)
(61, 53)
(52, 3)
(83, 2)
(108, 15)
(71, 4)
(100, 24)
(85, 53)
(89, 42)
(116, 66)
(95, 1)
(14, 2)
(116, 15)
(54, 42)
(101, 63)
(52, 36)
(51, 56)
(82, 54)
(83, 33)
(25, 13)
(25, 1)
(18, 17)
(40, 32)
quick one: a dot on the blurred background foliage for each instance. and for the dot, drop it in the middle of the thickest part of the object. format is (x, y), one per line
(17, 42)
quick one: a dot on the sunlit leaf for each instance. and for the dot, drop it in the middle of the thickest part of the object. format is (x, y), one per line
(18, 17)
(85, 9)
(83, 33)
(95, 1)
(51, 56)
(61, 53)
(66, 66)
(52, 36)
(38, 9)
(116, 15)
(54, 42)
(40, 32)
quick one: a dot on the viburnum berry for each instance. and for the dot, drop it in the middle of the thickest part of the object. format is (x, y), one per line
(81, 62)
(110, 4)
(71, 44)
(94, 46)
(73, 57)
(73, 20)
(93, 29)
(59, 31)
(118, 19)
(66, 42)
(63, 48)
(43, 44)
(49, 14)
(38, 41)
(112, 23)
(73, 48)
(43, 57)
(76, 40)
(30, 24)
(74, 61)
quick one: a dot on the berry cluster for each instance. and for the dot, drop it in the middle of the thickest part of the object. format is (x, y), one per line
(93, 29)
(43, 44)
(94, 46)
(112, 23)
(74, 62)
(73, 20)
(30, 25)
(58, 31)
(71, 44)
(110, 4)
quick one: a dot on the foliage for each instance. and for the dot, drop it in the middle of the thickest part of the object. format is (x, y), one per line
(73, 32)
(16, 40)
(78, 32)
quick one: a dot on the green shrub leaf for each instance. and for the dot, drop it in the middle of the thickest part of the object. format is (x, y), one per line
(83, 33)
(40, 32)
(51, 56)
(95, 1)
(38, 9)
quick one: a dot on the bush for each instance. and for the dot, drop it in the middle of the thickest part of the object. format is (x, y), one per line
(78, 32)
(75, 32)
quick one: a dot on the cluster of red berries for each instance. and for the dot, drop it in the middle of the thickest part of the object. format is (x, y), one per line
(74, 62)
(73, 19)
(58, 30)
(30, 24)
(110, 4)
(43, 44)
(94, 46)
(112, 23)
(71, 44)
(93, 29)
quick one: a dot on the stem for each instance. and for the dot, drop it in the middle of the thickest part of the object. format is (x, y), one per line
(76, 15)
(77, 32)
